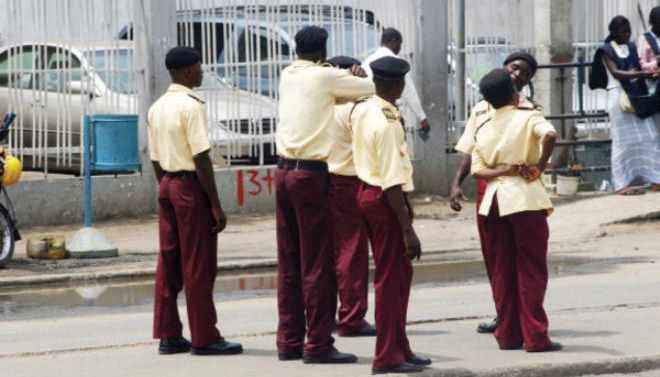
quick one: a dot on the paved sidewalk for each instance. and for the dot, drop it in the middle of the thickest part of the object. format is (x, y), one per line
(249, 240)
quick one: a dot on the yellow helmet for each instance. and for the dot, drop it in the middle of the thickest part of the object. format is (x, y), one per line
(13, 169)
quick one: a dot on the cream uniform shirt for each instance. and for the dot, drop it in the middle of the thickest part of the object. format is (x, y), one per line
(340, 160)
(512, 135)
(308, 95)
(177, 129)
(481, 113)
(380, 150)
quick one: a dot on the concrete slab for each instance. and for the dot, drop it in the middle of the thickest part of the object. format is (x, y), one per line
(90, 243)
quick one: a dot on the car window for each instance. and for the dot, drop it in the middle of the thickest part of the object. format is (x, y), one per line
(342, 42)
(62, 67)
(261, 44)
(114, 66)
(206, 37)
(16, 65)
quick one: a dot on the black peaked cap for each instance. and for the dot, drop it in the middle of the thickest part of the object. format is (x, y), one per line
(182, 57)
(389, 67)
(343, 62)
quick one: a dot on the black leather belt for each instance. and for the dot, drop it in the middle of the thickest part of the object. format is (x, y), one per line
(182, 173)
(302, 164)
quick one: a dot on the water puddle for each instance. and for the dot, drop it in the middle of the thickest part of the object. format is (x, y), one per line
(138, 295)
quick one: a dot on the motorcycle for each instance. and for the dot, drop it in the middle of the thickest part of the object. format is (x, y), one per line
(9, 173)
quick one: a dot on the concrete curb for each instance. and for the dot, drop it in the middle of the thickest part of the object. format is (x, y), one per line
(617, 366)
(150, 272)
(146, 272)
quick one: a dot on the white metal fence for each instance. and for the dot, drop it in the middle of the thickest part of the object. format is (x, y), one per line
(64, 59)
(495, 28)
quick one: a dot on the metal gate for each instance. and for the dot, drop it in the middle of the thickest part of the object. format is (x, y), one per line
(63, 59)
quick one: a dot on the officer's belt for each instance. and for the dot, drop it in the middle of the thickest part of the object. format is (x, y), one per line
(180, 174)
(309, 165)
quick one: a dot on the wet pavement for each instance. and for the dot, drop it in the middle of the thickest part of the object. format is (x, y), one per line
(137, 294)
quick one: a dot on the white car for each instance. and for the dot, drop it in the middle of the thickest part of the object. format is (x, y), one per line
(52, 85)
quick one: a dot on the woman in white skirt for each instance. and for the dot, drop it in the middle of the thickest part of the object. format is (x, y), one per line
(635, 142)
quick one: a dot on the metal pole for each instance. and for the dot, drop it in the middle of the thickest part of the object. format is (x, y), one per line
(431, 173)
(581, 81)
(88, 172)
(460, 61)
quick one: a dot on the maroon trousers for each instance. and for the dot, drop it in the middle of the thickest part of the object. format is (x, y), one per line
(516, 251)
(187, 259)
(391, 281)
(306, 286)
(481, 190)
(351, 253)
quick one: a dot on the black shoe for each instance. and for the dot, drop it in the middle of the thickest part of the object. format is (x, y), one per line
(221, 347)
(289, 356)
(487, 327)
(416, 360)
(332, 357)
(366, 330)
(403, 368)
(172, 346)
(554, 346)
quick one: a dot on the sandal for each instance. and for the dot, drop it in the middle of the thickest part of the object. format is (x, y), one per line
(629, 191)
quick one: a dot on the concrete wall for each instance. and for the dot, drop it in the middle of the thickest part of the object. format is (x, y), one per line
(61, 201)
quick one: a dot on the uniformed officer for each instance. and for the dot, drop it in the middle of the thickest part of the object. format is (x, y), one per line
(511, 152)
(382, 162)
(306, 291)
(522, 67)
(190, 215)
(351, 242)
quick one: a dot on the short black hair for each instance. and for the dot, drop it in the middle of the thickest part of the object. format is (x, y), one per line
(311, 39)
(390, 34)
(654, 17)
(497, 87)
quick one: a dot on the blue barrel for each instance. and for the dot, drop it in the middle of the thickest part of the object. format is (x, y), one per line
(114, 143)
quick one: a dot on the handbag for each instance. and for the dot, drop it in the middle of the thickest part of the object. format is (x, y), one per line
(645, 105)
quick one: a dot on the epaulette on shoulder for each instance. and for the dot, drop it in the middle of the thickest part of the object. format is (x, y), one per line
(529, 108)
(196, 98)
(389, 114)
(356, 103)
(362, 99)
(481, 112)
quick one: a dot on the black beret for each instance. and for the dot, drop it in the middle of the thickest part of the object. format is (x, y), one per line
(343, 62)
(182, 57)
(389, 67)
(311, 39)
(533, 65)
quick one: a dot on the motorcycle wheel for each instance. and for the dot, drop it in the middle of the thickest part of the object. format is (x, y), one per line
(7, 237)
